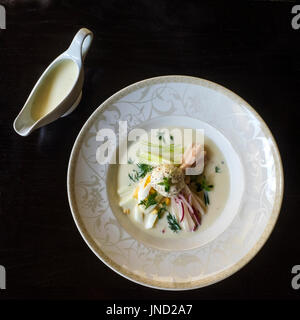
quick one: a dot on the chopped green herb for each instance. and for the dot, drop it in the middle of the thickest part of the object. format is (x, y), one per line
(205, 187)
(173, 223)
(217, 169)
(143, 169)
(150, 200)
(167, 183)
(206, 197)
(134, 176)
(198, 186)
(162, 210)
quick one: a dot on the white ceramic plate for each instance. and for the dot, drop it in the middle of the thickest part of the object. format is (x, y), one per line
(255, 194)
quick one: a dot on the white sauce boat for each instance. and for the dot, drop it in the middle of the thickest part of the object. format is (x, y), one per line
(58, 91)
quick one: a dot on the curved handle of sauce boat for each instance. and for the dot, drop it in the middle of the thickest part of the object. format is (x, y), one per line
(81, 43)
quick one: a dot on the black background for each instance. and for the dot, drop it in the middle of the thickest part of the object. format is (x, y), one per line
(248, 47)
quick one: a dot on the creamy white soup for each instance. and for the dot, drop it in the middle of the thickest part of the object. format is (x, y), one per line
(157, 194)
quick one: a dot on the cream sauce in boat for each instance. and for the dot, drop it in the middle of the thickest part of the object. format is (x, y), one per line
(54, 88)
(218, 196)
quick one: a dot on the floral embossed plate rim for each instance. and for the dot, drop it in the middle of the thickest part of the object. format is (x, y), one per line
(218, 106)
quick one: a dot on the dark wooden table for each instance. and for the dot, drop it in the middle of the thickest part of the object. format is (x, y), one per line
(249, 48)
